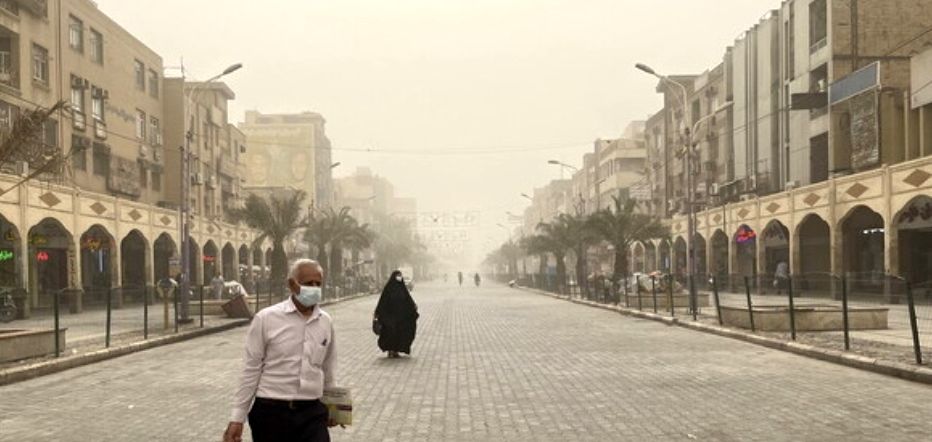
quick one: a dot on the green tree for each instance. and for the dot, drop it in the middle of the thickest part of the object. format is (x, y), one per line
(620, 226)
(276, 217)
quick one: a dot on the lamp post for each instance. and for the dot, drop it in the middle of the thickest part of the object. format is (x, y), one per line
(689, 152)
(690, 257)
(186, 190)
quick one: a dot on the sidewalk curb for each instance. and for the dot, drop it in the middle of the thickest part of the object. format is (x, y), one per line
(38, 369)
(884, 367)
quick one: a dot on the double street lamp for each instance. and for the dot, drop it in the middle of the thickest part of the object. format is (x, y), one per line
(186, 189)
(689, 150)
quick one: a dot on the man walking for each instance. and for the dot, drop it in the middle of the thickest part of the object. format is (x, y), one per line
(290, 359)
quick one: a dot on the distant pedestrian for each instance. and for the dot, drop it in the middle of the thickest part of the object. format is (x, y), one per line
(217, 285)
(396, 316)
(781, 277)
(290, 360)
(478, 279)
(460, 276)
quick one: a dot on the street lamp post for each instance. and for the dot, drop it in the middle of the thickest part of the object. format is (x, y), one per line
(690, 253)
(689, 151)
(186, 191)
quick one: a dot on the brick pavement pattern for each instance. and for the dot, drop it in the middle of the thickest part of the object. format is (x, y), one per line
(493, 364)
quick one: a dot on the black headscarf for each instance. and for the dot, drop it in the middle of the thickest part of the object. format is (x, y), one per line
(396, 303)
(398, 315)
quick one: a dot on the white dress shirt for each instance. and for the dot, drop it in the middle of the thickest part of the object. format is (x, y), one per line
(288, 357)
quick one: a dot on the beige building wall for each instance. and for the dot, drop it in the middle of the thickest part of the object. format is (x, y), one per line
(289, 150)
(89, 61)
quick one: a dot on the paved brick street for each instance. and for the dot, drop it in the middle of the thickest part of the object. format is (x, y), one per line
(493, 364)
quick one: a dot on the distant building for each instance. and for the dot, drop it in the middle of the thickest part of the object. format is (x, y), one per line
(289, 150)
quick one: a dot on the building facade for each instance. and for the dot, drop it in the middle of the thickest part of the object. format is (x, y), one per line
(820, 158)
(107, 224)
(289, 150)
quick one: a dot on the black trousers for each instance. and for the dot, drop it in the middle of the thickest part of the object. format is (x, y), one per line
(289, 421)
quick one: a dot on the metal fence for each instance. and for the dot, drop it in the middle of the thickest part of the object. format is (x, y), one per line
(81, 322)
(875, 314)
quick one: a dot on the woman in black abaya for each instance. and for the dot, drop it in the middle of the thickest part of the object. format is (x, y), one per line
(397, 316)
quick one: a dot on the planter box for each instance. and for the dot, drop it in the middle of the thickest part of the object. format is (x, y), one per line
(24, 344)
(808, 318)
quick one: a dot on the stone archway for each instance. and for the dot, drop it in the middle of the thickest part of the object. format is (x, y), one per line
(195, 264)
(862, 249)
(745, 259)
(134, 266)
(164, 251)
(244, 273)
(210, 258)
(776, 243)
(10, 255)
(914, 240)
(638, 261)
(228, 262)
(719, 257)
(813, 238)
(99, 268)
(650, 257)
(702, 266)
(679, 260)
(52, 261)
(665, 256)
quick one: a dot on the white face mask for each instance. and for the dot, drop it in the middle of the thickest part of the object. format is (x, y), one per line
(309, 296)
(399, 278)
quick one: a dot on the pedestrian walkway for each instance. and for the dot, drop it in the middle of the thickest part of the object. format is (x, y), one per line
(493, 363)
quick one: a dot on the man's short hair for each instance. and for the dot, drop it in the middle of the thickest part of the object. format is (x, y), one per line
(293, 273)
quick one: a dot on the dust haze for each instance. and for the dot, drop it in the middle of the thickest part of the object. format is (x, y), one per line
(459, 103)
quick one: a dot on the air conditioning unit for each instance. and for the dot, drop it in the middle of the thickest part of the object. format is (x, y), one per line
(157, 139)
(77, 83)
(713, 189)
(212, 182)
(143, 151)
(790, 185)
(198, 179)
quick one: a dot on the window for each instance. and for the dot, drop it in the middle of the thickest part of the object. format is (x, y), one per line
(77, 94)
(818, 24)
(40, 64)
(140, 124)
(50, 133)
(140, 71)
(79, 154)
(8, 114)
(97, 104)
(156, 181)
(143, 176)
(97, 47)
(76, 33)
(155, 132)
(101, 162)
(153, 83)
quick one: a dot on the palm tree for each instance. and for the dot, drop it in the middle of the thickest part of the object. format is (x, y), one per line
(359, 239)
(342, 228)
(510, 252)
(579, 236)
(621, 227)
(276, 218)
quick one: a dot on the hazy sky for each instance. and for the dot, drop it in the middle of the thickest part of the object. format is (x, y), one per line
(441, 78)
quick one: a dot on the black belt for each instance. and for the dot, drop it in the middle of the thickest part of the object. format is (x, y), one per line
(292, 405)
